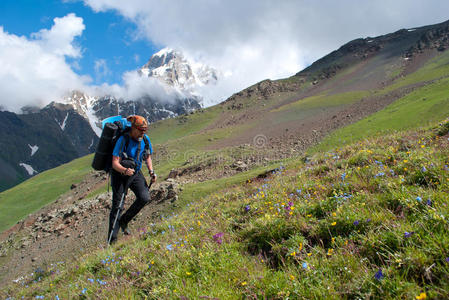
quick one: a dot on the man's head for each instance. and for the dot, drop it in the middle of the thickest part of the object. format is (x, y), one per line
(139, 126)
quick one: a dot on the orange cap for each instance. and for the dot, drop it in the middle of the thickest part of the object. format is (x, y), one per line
(138, 121)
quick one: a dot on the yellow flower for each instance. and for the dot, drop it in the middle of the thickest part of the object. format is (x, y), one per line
(309, 254)
(334, 223)
(292, 277)
(243, 283)
(293, 253)
(300, 246)
(309, 215)
(334, 214)
(199, 223)
(188, 273)
(422, 146)
(421, 296)
(330, 251)
(290, 213)
(405, 161)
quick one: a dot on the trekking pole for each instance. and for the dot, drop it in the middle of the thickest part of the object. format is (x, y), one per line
(125, 192)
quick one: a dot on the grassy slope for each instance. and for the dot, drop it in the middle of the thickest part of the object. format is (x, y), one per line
(424, 105)
(368, 220)
(33, 194)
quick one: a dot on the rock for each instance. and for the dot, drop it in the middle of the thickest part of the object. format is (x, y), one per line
(173, 174)
(33, 259)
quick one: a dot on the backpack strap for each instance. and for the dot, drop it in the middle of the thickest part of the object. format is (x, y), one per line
(147, 147)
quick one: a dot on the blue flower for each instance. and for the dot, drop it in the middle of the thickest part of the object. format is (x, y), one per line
(304, 265)
(356, 223)
(379, 275)
(247, 208)
(83, 291)
(419, 199)
(169, 247)
(408, 234)
(429, 202)
(423, 169)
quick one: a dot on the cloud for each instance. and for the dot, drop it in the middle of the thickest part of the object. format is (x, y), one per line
(136, 86)
(258, 39)
(101, 69)
(33, 71)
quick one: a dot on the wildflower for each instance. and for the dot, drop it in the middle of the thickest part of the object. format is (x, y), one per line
(408, 234)
(292, 277)
(304, 265)
(293, 253)
(343, 176)
(330, 251)
(82, 292)
(429, 202)
(333, 223)
(423, 169)
(169, 247)
(188, 273)
(309, 254)
(300, 246)
(447, 259)
(356, 223)
(218, 237)
(421, 296)
(243, 283)
(379, 275)
(247, 208)
(39, 297)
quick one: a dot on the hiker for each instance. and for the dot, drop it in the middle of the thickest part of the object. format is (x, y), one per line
(129, 152)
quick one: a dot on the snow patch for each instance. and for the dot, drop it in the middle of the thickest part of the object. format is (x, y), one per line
(410, 30)
(62, 125)
(28, 168)
(33, 149)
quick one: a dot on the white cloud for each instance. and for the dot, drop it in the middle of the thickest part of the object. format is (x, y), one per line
(33, 71)
(101, 69)
(136, 86)
(258, 39)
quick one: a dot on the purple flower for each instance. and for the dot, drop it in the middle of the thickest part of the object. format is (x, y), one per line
(408, 234)
(423, 169)
(368, 220)
(447, 259)
(247, 208)
(290, 203)
(429, 202)
(379, 275)
(356, 223)
(218, 238)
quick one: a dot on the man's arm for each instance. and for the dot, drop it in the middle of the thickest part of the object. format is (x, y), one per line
(119, 168)
(149, 164)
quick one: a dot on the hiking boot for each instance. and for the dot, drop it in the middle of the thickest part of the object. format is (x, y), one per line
(125, 229)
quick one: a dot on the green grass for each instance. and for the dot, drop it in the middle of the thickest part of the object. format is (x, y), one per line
(416, 109)
(44, 188)
(364, 221)
(171, 129)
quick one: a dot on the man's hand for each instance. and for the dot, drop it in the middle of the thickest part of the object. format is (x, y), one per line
(129, 172)
(153, 176)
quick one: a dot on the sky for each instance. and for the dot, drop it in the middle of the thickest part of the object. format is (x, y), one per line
(50, 47)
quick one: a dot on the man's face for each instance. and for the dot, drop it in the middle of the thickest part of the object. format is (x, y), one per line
(138, 132)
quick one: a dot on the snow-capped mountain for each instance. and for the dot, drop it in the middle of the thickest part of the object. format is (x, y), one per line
(186, 76)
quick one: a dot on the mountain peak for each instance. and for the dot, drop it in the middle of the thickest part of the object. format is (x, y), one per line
(174, 69)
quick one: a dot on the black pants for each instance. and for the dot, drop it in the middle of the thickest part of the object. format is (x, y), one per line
(140, 188)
